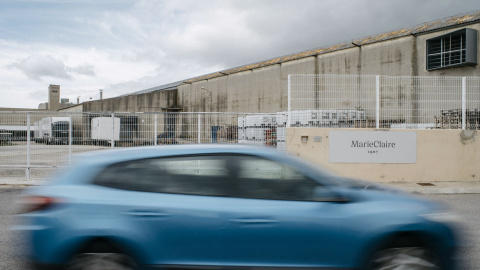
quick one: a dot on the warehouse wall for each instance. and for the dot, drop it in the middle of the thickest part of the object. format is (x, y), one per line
(258, 90)
(460, 71)
(391, 57)
(264, 89)
(442, 155)
(150, 102)
(74, 108)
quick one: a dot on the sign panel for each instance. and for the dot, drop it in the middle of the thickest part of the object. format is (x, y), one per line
(372, 147)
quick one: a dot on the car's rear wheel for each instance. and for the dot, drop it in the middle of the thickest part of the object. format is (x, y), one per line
(101, 256)
(101, 261)
(413, 258)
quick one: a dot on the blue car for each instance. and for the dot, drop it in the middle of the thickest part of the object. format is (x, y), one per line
(226, 207)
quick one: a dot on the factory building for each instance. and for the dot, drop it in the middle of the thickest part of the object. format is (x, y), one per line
(423, 65)
(15, 124)
(445, 47)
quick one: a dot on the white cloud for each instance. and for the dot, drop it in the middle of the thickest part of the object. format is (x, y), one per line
(79, 72)
(126, 46)
(37, 66)
(84, 69)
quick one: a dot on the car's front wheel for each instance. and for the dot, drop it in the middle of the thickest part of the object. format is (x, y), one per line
(412, 258)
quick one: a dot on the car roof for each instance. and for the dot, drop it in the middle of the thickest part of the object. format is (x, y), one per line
(123, 154)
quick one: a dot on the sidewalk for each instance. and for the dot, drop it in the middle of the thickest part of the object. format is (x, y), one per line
(464, 187)
(437, 187)
(21, 182)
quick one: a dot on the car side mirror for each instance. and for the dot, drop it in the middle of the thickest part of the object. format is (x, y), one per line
(323, 194)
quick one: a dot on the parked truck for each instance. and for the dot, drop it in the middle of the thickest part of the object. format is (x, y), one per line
(52, 130)
(104, 129)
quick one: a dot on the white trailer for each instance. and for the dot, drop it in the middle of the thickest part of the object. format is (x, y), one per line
(52, 130)
(104, 130)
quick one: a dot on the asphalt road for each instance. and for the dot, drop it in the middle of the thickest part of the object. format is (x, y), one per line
(10, 247)
(466, 205)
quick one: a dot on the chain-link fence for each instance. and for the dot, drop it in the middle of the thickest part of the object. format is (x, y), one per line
(33, 143)
(397, 102)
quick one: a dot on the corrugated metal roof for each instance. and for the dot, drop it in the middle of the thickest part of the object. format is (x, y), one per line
(164, 87)
(448, 22)
(169, 86)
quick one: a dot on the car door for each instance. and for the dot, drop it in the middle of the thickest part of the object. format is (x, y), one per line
(176, 204)
(275, 221)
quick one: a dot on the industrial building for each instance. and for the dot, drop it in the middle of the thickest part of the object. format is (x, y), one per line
(424, 78)
(445, 47)
(15, 125)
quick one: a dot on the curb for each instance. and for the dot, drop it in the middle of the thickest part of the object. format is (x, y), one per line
(5, 183)
(438, 187)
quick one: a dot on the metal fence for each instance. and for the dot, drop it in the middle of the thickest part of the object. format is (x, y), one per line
(34, 143)
(396, 102)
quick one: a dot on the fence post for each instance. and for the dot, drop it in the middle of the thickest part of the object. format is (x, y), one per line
(464, 103)
(155, 130)
(377, 99)
(113, 131)
(27, 172)
(70, 136)
(289, 99)
(199, 128)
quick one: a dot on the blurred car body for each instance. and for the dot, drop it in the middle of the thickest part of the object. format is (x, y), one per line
(226, 207)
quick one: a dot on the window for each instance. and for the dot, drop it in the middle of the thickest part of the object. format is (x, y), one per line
(260, 178)
(240, 176)
(455, 49)
(194, 175)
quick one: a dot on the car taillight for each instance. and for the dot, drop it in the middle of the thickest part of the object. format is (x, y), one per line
(37, 203)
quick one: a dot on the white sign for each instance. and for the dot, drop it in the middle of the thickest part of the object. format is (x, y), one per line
(372, 147)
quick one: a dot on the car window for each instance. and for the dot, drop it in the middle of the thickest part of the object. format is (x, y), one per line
(193, 166)
(261, 178)
(195, 175)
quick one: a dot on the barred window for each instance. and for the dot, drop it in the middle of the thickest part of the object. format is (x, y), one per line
(455, 49)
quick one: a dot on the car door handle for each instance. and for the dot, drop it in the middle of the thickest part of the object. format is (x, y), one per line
(141, 213)
(253, 221)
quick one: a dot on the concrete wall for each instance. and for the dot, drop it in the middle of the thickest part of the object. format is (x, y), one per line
(459, 71)
(391, 57)
(14, 119)
(442, 155)
(76, 108)
(264, 89)
(157, 101)
(258, 90)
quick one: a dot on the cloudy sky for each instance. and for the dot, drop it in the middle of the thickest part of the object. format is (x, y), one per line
(123, 46)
